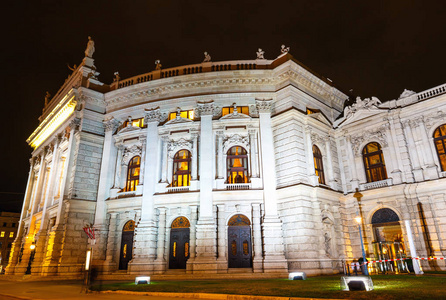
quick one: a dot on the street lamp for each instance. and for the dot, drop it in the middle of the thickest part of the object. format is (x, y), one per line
(358, 219)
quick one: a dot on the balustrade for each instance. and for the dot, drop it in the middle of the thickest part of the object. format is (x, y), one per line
(432, 92)
(375, 184)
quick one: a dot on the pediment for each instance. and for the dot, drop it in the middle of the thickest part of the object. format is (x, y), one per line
(178, 120)
(129, 129)
(235, 116)
(320, 117)
(359, 115)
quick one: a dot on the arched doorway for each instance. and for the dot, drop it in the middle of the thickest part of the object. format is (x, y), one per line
(179, 243)
(126, 244)
(239, 242)
(389, 241)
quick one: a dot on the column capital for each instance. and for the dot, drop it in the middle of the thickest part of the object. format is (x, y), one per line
(264, 105)
(206, 109)
(75, 123)
(111, 124)
(154, 115)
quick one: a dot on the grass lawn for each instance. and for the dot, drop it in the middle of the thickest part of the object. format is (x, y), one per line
(386, 287)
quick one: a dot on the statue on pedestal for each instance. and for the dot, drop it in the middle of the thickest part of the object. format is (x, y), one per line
(207, 57)
(260, 54)
(90, 48)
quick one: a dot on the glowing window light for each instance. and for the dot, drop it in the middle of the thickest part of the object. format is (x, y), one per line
(355, 281)
(297, 276)
(51, 122)
(142, 280)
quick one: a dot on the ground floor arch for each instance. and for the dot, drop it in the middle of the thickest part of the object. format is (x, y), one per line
(179, 243)
(239, 242)
(126, 244)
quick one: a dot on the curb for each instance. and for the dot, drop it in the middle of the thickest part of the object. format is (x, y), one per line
(210, 296)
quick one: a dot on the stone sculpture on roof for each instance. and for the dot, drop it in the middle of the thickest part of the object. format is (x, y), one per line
(207, 57)
(260, 54)
(90, 48)
(367, 103)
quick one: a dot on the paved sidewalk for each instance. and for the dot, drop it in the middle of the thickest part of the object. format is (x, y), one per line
(70, 290)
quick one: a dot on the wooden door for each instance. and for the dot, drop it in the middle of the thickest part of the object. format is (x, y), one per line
(239, 247)
(179, 248)
(126, 245)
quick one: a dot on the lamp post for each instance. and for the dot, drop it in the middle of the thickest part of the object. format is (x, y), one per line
(32, 247)
(358, 219)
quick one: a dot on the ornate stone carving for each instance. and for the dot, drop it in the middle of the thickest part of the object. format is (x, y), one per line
(260, 54)
(75, 123)
(368, 135)
(431, 120)
(236, 139)
(111, 124)
(284, 49)
(130, 152)
(413, 123)
(207, 57)
(406, 93)
(317, 139)
(253, 112)
(264, 105)
(367, 103)
(154, 115)
(174, 146)
(206, 108)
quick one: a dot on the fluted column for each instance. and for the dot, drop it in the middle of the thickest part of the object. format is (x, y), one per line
(351, 158)
(330, 172)
(164, 159)
(143, 160)
(274, 260)
(220, 162)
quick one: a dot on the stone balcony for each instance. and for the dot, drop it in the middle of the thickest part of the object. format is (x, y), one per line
(375, 184)
(238, 186)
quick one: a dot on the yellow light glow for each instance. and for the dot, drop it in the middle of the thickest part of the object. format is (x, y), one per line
(57, 116)
(32, 247)
(358, 219)
(87, 260)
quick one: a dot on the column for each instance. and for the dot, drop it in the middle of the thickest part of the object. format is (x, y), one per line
(314, 180)
(111, 260)
(274, 260)
(205, 260)
(257, 266)
(220, 162)
(194, 171)
(222, 238)
(164, 158)
(330, 172)
(430, 168)
(351, 158)
(416, 166)
(396, 173)
(252, 142)
(145, 233)
(143, 160)
(118, 167)
(160, 261)
(413, 251)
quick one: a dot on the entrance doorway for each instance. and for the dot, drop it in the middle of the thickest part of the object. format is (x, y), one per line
(179, 243)
(389, 242)
(126, 245)
(239, 242)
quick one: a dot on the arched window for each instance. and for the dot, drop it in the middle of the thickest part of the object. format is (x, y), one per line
(133, 174)
(181, 168)
(237, 164)
(318, 165)
(440, 145)
(375, 168)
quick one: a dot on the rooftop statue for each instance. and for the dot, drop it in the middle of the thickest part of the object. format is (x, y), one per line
(260, 54)
(116, 77)
(207, 57)
(158, 64)
(285, 49)
(47, 98)
(367, 103)
(90, 48)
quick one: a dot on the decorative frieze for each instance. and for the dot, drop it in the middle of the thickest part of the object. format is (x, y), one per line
(368, 135)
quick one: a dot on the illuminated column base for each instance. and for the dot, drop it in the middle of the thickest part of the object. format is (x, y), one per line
(51, 261)
(274, 260)
(144, 248)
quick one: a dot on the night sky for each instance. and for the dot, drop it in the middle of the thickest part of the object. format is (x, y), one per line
(376, 48)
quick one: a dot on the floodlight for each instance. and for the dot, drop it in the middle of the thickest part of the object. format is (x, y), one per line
(142, 280)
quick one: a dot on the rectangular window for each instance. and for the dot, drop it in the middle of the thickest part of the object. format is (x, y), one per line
(187, 114)
(135, 122)
(229, 110)
(2, 234)
(11, 234)
(13, 225)
(4, 224)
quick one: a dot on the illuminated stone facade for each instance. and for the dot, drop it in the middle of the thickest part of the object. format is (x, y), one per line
(223, 167)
